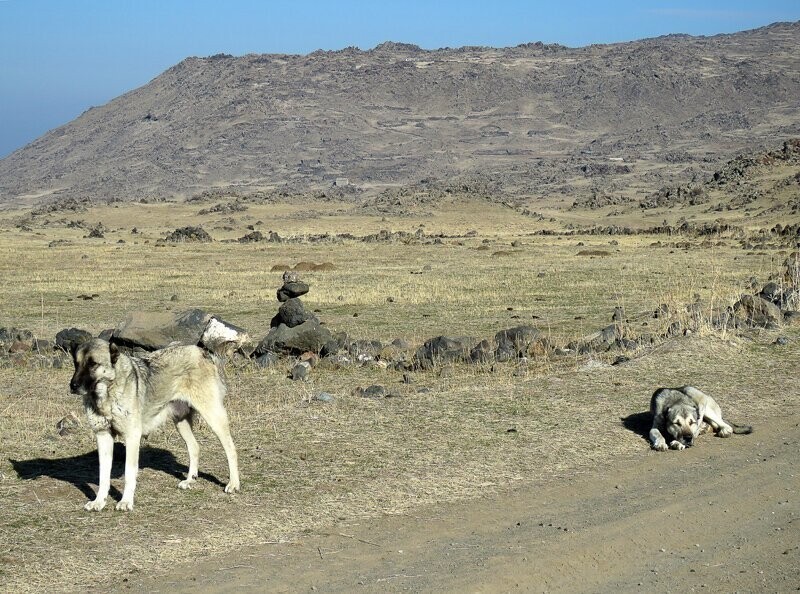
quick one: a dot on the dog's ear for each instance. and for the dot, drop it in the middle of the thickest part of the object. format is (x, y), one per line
(114, 351)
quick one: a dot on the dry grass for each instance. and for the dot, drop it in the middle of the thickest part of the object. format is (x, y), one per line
(307, 465)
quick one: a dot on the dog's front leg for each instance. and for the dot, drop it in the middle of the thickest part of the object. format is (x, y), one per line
(105, 452)
(657, 440)
(132, 442)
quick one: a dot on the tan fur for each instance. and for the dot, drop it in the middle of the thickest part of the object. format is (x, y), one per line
(128, 397)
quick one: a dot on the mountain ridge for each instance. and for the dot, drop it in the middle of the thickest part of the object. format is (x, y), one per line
(530, 118)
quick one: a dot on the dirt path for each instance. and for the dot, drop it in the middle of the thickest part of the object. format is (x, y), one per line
(722, 516)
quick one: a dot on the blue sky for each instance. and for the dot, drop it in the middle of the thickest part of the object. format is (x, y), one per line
(60, 57)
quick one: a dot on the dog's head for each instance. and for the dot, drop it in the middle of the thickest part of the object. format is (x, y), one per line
(94, 367)
(683, 422)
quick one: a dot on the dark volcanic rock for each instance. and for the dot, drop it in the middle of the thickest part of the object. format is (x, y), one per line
(443, 349)
(757, 311)
(292, 313)
(308, 336)
(13, 336)
(516, 342)
(155, 330)
(69, 338)
(188, 234)
(482, 352)
(292, 290)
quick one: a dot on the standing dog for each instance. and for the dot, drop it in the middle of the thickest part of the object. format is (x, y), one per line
(684, 413)
(131, 396)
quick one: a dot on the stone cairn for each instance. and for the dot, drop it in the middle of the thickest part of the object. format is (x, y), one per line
(292, 312)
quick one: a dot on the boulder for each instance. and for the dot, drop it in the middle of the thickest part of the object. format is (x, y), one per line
(757, 311)
(516, 342)
(482, 352)
(156, 330)
(10, 336)
(292, 313)
(308, 336)
(69, 338)
(602, 340)
(773, 293)
(443, 349)
(267, 360)
(252, 237)
(370, 348)
(189, 235)
(292, 290)
(222, 337)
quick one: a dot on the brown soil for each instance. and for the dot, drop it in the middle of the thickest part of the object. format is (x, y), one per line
(722, 516)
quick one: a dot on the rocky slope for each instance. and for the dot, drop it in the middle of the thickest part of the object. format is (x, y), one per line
(528, 120)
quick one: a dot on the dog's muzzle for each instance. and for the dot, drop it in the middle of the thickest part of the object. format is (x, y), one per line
(77, 388)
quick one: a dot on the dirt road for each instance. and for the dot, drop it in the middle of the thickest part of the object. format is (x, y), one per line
(722, 516)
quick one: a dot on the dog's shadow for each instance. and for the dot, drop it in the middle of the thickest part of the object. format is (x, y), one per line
(639, 423)
(83, 471)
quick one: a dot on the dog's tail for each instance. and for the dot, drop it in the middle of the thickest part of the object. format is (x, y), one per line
(741, 429)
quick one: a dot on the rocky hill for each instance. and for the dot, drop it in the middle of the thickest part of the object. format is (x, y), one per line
(530, 120)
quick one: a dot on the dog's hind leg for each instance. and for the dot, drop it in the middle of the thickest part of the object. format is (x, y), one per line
(217, 418)
(133, 441)
(184, 427)
(713, 415)
(105, 453)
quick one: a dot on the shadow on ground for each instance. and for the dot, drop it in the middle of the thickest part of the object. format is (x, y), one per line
(82, 471)
(639, 423)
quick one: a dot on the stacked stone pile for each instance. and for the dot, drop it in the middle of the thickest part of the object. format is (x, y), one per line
(293, 330)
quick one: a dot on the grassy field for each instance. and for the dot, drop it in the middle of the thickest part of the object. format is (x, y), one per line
(452, 434)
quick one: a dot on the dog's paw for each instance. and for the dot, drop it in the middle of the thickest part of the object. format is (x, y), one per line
(676, 445)
(660, 446)
(725, 431)
(187, 484)
(125, 505)
(95, 505)
(232, 487)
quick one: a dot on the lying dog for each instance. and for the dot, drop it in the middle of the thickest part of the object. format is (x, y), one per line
(684, 413)
(130, 396)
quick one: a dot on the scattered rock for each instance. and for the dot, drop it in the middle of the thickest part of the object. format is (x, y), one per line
(69, 338)
(308, 336)
(68, 425)
(155, 330)
(188, 235)
(301, 371)
(520, 341)
(292, 313)
(443, 349)
(373, 391)
(324, 397)
(252, 237)
(593, 252)
(756, 311)
(291, 290)
(311, 358)
(267, 360)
